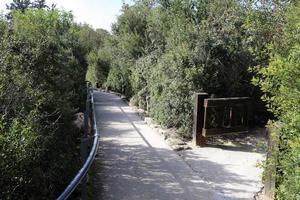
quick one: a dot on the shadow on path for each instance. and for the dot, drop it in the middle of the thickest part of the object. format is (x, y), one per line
(134, 163)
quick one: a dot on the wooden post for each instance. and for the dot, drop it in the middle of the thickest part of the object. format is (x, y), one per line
(270, 171)
(198, 138)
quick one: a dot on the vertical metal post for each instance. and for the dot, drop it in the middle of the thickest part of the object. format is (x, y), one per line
(198, 138)
(84, 142)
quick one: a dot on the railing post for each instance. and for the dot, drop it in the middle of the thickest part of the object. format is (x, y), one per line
(198, 138)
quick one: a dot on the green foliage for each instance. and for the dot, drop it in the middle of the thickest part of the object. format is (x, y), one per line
(99, 62)
(91, 39)
(118, 79)
(160, 53)
(98, 50)
(23, 5)
(163, 51)
(42, 79)
(280, 82)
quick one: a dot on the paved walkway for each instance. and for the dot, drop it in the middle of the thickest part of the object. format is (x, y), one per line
(134, 162)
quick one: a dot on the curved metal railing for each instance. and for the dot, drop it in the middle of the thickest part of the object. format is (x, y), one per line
(80, 176)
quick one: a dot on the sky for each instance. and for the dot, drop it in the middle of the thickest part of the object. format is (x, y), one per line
(97, 13)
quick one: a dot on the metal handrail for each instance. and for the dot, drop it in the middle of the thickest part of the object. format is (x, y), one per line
(88, 162)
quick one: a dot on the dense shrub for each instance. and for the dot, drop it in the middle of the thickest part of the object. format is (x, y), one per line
(98, 66)
(280, 82)
(42, 78)
(98, 57)
(163, 51)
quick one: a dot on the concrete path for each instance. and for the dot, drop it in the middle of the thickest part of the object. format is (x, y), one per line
(233, 174)
(134, 162)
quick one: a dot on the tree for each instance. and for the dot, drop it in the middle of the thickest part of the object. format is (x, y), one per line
(97, 47)
(42, 83)
(281, 86)
(175, 48)
(22, 5)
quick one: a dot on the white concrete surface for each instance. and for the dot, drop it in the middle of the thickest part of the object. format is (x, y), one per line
(135, 163)
(233, 174)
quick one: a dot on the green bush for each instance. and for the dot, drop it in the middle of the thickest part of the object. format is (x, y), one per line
(165, 51)
(280, 82)
(161, 52)
(98, 53)
(42, 82)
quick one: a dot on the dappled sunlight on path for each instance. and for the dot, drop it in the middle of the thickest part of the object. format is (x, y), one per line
(135, 163)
